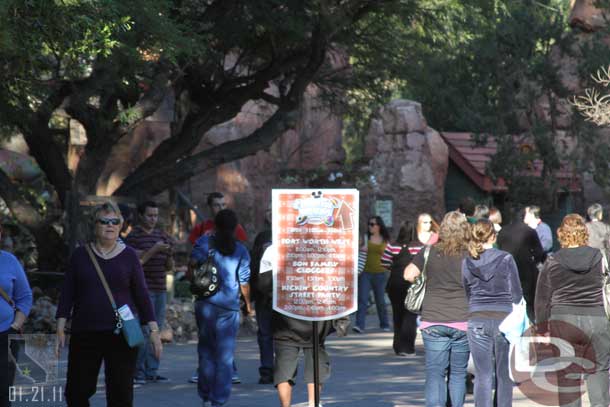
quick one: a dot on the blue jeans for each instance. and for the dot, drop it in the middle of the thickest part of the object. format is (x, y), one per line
(264, 337)
(593, 333)
(490, 351)
(217, 333)
(147, 365)
(447, 353)
(377, 282)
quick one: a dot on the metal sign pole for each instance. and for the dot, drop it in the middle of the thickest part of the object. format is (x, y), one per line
(316, 364)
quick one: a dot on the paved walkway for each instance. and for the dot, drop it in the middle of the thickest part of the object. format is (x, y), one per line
(365, 373)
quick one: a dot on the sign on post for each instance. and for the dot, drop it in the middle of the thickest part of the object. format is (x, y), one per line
(315, 232)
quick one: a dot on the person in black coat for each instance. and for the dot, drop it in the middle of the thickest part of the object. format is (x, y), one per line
(263, 302)
(523, 244)
(405, 322)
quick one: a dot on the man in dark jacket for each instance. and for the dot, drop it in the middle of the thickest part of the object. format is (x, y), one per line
(263, 302)
(522, 242)
(290, 336)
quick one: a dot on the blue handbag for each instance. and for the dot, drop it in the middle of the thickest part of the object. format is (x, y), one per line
(131, 329)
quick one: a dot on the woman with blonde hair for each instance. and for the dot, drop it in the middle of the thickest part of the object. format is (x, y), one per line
(569, 293)
(427, 229)
(492, 285)
(444, 312)
(96, 326)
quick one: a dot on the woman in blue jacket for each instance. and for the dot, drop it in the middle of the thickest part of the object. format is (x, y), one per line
(218, 315)
(492, 285)
(15, 305)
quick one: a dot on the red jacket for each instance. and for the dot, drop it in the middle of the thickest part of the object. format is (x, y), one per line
(207, 227)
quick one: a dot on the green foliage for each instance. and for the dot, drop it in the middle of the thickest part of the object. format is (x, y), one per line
(488, 66)
(46, 43)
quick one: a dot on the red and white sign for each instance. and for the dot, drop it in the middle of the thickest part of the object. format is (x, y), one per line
(315, 236)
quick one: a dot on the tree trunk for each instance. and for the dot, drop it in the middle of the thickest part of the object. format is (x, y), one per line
(52, 252)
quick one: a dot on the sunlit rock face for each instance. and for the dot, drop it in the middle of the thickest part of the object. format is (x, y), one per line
(407, 163)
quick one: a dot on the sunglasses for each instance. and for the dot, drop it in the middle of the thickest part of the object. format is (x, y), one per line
(372, 224)
(109, 221)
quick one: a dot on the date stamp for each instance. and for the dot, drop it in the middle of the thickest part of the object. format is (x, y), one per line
(36, 395)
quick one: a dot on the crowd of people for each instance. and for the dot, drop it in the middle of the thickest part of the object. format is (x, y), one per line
(477, 271)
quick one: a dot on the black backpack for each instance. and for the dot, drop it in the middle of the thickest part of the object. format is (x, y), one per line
(206, 280)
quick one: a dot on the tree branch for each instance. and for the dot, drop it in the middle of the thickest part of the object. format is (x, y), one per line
(157, 181)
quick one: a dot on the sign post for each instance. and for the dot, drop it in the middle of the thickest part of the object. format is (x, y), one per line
(315, 275)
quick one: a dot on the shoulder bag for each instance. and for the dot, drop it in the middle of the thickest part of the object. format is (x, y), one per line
(131, 329)
(8, 299)
(417, 290)
(205, 281)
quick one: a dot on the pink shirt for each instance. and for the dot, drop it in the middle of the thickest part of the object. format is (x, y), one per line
(460, 326)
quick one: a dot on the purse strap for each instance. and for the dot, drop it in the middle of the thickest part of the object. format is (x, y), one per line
(426, 256)
(104, 283)
(605, 267)
(8, 299)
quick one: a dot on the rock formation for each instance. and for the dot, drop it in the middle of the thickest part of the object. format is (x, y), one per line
(586, 16)
(407, 161)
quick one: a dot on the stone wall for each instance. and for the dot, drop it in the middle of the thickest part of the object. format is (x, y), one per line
(407, 161)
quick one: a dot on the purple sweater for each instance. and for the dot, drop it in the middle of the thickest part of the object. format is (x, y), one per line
(84, 299)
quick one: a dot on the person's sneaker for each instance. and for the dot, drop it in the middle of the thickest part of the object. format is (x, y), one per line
(357, 329)
(158, 379)
(265, 380)
(194, 379)
(235, 379)
(138, 381)
(386, 329)
(406, 354)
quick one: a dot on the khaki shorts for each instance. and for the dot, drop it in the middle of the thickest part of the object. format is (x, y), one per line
(287, 359)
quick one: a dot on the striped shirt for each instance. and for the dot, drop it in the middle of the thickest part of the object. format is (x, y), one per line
(155, 268)
(391, 251)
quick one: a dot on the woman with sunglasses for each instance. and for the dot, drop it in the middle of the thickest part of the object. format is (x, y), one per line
(427, 229)
(95, 337)
(374, 275)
